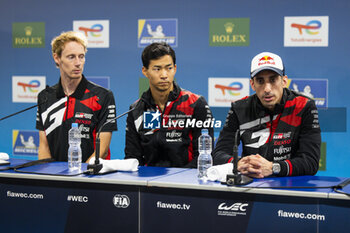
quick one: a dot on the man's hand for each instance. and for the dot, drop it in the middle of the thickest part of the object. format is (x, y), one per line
(255, 166)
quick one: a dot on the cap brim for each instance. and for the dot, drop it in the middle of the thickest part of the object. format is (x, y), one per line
(278, 71)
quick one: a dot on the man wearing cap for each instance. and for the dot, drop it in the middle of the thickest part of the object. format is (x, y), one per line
(278, 127)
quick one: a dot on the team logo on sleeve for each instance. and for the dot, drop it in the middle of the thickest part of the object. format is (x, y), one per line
(151, 120)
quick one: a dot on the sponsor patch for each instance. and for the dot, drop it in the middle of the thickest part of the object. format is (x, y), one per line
(83, 115)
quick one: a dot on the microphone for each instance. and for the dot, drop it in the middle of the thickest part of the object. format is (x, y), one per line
(24, 110)
(236, 178)
(343, 184)
(97, 166)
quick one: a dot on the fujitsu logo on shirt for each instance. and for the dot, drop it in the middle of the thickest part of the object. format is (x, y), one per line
(173, 134)
(282, 150)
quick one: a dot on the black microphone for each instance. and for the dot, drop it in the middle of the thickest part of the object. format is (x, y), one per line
(236, 178)
(97, 166)
(343, 184)
(24, 110)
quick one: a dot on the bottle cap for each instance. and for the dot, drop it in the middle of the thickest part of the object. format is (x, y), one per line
(204, 131)
(74, 125)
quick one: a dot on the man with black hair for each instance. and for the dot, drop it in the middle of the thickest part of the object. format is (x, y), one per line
(164, 127)
(278, 127)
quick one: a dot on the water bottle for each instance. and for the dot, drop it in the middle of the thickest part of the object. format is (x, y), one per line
(74, 150)
(205, 160)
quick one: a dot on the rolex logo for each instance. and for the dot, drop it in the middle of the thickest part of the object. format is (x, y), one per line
(28, 30)
(28, 35)
(229, 32)
(229, 27)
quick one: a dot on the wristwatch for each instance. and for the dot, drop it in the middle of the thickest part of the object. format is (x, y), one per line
(276, 168)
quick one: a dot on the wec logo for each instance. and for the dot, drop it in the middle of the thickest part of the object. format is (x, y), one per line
(235, 207)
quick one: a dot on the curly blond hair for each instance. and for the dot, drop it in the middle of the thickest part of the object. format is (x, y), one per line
(58, 42)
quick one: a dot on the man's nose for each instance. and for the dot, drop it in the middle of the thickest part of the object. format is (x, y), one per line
(77, 61)
(164, 73)
(267, 87)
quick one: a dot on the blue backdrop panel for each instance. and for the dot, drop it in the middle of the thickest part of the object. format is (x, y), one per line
(196, 60)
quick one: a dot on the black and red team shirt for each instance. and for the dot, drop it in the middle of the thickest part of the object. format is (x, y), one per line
(171, 145)
(90, 106)
(290, 135)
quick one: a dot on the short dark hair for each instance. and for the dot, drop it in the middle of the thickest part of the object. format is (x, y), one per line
(156, 50)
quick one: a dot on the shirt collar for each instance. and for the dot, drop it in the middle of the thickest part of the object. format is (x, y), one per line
(78, 93)
(147, 96)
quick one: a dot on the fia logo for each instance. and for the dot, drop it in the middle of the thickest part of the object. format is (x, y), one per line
(151, 120)
(121, 201)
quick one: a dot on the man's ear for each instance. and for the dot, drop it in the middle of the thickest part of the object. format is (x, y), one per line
(284, 81)
(56, 58)
(252, 83)
(144, 71)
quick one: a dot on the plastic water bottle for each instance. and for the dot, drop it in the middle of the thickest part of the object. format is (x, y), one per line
(205, 160)
(74, 150)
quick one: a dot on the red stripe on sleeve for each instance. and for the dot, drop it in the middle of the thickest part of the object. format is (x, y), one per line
(290, 167)
(190, 148)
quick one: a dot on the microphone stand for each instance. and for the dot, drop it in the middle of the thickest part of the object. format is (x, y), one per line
(24, 110)
(97, 166)
(236, 178)
(1, 119)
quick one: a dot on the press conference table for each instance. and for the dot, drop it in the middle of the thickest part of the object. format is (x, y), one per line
(155, 199)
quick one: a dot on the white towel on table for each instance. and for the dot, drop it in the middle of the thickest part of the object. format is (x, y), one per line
(219, 172)
(117, 165)
(4, 156)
